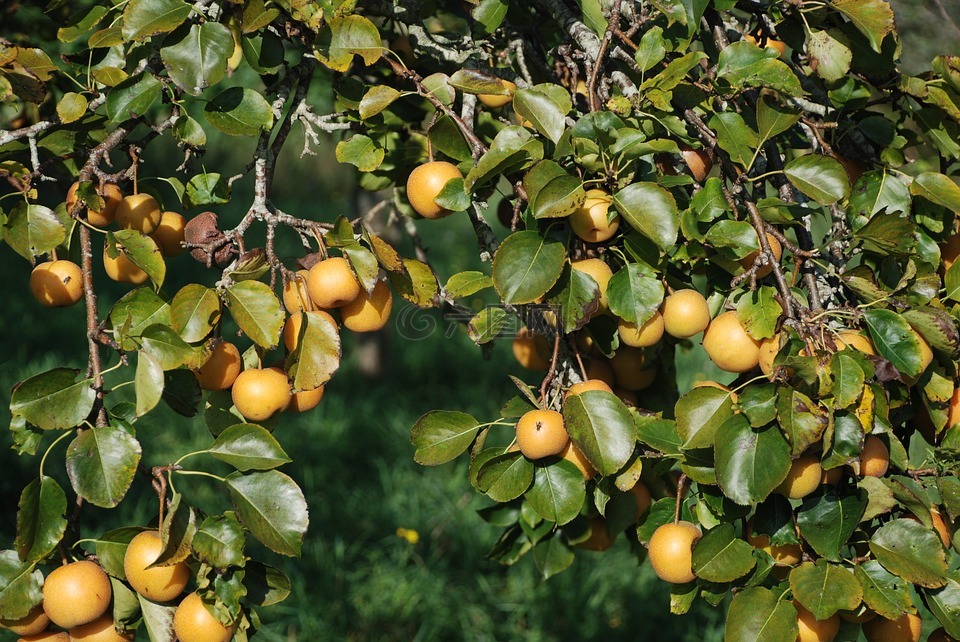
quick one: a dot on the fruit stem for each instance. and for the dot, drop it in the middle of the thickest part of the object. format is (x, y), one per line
(200, 473)
(681, 482)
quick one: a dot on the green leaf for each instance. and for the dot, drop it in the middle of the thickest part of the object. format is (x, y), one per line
(256, 310)
(700, 413)
(206, 189)
(71, 107)
(558, 491)
(194, 312)
(317, 356)
(490, 14)
(750, 462)
(944, 603)
(827, 521)
(848, 380)
(938, 189)
(19, 586)
(552, 192)
(453, 196)
(602, 427)
(511, 150)
(883, 592)
(505, 477)
(143, 252)
(219, 541)
(133, 97)
(634, 293)
(735, 137)
(909, 550)
(256, 16)
(111, 548)
(248, 447)
(873, 18)
(488, 324)
(822, 178)
(552, 556)
(32, 230)
(578, 300)
(526, 266)
(377, 98)
(758, 403)
(936, 326)
(361, 151)
(442, 435)
(773, 118)
(888, 233)
(101, 464)
(829, 53)
(651, 210)
(801, 419)
(542, 111)
(758, 312)
(467, 283)
(158, 619)
(744, 64)
(265, 585)
(41, 520)
(147, 383)
(272, 507)
(81, 23)
(134, 313)
(199, 59)
(758, 615)
(895, 340)
(239, 111)
(145, 18)
(54, 399)
(264, 53)
(349, 35)
(824, 588)
(652, 49)
(720, 556)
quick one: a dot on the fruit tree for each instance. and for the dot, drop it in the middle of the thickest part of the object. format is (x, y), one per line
(752, 187)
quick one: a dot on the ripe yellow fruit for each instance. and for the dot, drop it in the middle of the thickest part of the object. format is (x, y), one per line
(875, 457)
(648, 334)
(599, 369)
(100, 630)
(424, 185)
(904, 629)
(600, 538)
(713, 384)
(57, 284)
(32, 623)
(160, 583)
(641, 494)
(122, 269)
(589, 384)
(628, 370)
(764, 42)
(495, 101)
(939, 525)
(111, 195)
(940, 635)
(698, 161)
(76, 593)
(729, 346)
(192, 622)
(139, 212)
(832, 476)
(769, 348)
(600, 272)
(305, 400)
(926, 358)
(861, 615)
(296, 295)
(293, 324)
(783, 555)
(777, 250)
(949, 251)
(169, 233)
(628, 397)
(671, 552)
(574, 455)
(531, 350)
(368, 312)
(804, 477)
(221, 368)
(855, 340)
(685, 313)
(259, 393)
(814, 630)
(47, 636)
(332, 284)
(540, 433)
(591, 222)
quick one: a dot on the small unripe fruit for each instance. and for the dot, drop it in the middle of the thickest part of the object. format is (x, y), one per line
(169, 234)
(332, 284)
(574, 455)
(221, 368)
(590, 222)
(139, 212)
(305, 400)
(600, 272)
(57, 284)
(100, 630)
(111, 195)
(648, 334)
(804, 477)
(531, 350)
(160, 583)
(296, 295)
(32, 623)
(76, 593)
(122, 269)
(685, 313)
(192, 622)
(540, 433)
(425, 184)
(259, 393)
(671, 552)
(589, 384)
(368, 312)
(495, 101)
(875, 457)
(814, 630)
(729, 346)
(775, 248)
(904, 629)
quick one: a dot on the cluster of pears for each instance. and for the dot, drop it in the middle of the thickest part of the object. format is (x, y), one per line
(329, 286)
(77, 597)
